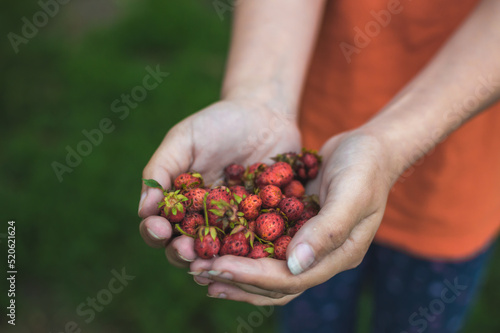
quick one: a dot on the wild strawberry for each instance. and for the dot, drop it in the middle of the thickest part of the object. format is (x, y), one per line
(207, 244)
(251, 226)
(238, 193)
(250, 207)
(270, 226)
(188, 180)
(222, 214)
(233, 174)
(270, 196)
(214, 201)
(280, 246)
(256, 168)
(218, 194)
(289, 158)
(251, 174)
(173, 204)
(307, 164)
(195, 199)
(235, 244)
(172, 207)
(296, 227)
(294, 189)
(261, 251)
(311, 207)
(291, 207)
(191, 222)
(279, 174)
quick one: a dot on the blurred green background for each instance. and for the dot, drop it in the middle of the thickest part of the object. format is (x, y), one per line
(72, 234)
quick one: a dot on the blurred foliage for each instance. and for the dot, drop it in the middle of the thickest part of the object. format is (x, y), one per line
(72, 234)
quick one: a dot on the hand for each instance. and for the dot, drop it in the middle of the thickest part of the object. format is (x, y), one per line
(225, 132)
(353, 186)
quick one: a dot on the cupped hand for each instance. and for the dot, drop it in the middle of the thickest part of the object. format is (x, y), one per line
(226, 132)
(353, 187)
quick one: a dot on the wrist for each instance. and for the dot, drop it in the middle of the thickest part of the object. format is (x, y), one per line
(270, 96)
(391, 153)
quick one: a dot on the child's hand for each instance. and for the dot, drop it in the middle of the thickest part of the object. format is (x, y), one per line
(353, 186)
(206, 142)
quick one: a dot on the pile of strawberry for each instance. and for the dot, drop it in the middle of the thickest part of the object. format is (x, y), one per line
(255, 214)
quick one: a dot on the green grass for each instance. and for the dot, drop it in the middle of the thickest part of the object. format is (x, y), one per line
(72, 234)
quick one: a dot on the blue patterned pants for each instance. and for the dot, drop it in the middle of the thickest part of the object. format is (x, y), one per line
(410, 295)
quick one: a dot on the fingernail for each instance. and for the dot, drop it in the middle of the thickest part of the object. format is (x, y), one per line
(203, 284)
(301, 258)
(221, 295)
(152, 234)
(195, 273)
(185, 259)
(222, 275)
(141, 202)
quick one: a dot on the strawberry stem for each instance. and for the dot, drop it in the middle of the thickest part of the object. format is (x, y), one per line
(205, 208)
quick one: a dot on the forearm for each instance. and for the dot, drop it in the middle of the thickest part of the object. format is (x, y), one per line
(271, 45)
(460, 82)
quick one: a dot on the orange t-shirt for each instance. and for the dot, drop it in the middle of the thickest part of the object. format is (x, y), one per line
(448, 204)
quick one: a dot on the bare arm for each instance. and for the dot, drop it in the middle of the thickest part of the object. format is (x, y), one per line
(271, 44)
(360, 166)
(460, 82)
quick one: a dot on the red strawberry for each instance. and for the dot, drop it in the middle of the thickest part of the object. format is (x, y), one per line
(172, 207)
(279, 174)
(236, 244)
(291, 207)
(280, 246)
(270, 195)
(207, 244)
(311, 207)
(215, 198)
(308, 213)
(294, 189)
(223, 215)
(251, 226)
(188, 180)
(261, 251)
(307, 164)
(233, 174)
(195, 199)
(270, 226)
(256, 167)
(289, 158)
(191, 222)
(251, 174)
(218, 194)
(238, 193)
(250, 207)
(296, 227)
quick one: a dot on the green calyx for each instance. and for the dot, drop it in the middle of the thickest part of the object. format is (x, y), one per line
(172, 202)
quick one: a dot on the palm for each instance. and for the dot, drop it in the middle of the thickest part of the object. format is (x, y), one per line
(227, 132)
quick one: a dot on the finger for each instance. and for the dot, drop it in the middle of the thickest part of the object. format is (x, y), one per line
(156, 231)
(231, 292)
(266, 276)
(223, 278)
(180, 251)
(201, 281)
(172, 157)
(344, 205)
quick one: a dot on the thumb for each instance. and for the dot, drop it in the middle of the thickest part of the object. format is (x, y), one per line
(327, 231)
(172, 158)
